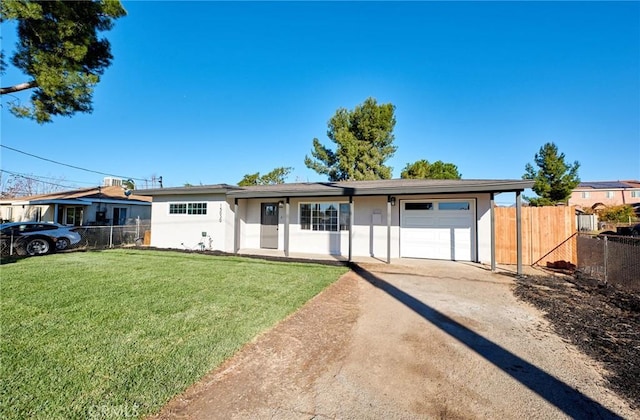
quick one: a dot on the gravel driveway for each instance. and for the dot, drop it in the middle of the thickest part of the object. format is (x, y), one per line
(431, 340)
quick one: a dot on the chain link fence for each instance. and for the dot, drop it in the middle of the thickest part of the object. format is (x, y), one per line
(610, 259)
(92, 237)
(101, 237)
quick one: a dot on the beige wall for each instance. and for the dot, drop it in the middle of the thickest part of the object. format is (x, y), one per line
(619, 196)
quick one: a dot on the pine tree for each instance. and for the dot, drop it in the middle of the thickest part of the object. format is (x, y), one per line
(554, 180)
(364, 141)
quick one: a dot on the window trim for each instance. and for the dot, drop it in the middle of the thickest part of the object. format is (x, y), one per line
(340, 217)
(188, 208)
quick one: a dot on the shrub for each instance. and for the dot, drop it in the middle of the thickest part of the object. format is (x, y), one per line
(617, 214)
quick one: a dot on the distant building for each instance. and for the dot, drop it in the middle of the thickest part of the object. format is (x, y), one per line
(110, 205)
(599, 194)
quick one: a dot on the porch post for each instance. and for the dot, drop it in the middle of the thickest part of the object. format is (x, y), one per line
(286, 227)
(519, 232)
(55, 212)
(493, 231)
(350, 228)
(388, 229)
(236, 227)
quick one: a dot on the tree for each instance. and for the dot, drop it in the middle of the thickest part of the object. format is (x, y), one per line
(26, 185)
(422, 169)
(276, 176)
(59, 50)
(616, 214)
(364, 139)
(554, 180)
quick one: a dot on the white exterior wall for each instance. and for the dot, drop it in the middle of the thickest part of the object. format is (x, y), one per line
(369, 226)
(184, 231)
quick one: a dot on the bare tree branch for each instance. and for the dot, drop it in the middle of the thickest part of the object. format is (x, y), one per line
(18, 87)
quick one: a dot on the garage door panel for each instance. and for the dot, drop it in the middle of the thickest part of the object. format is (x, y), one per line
(437, 234)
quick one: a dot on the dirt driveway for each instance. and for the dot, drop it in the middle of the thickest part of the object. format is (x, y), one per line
(435, 340)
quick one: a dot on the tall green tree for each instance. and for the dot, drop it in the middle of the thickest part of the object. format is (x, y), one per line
(60, 52)
(553, 179)
(276, 176)
(422, 169)
(364, 141)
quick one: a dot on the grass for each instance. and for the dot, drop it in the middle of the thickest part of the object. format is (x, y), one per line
(117, 333)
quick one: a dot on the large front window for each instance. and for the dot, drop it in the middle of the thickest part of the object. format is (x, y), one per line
(324, 216)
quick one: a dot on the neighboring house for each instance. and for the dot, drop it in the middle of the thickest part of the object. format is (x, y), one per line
(439, 219)
(91, 206)
(596, 195)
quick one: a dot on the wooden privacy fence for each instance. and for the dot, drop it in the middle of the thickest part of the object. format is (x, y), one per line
(548, 236)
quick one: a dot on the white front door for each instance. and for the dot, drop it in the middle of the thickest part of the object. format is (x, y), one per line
(437, 229)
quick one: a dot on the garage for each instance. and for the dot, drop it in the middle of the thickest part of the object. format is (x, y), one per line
(437, 229)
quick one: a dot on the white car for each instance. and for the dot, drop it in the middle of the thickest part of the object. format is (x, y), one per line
(38, 238)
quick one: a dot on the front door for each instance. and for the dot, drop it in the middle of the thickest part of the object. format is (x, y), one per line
(269, 226)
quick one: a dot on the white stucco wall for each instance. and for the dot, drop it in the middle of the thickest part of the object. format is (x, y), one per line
(184, 231)
(369, 226)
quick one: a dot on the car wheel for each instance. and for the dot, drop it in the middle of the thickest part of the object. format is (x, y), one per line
(37, 246)
(62, 244)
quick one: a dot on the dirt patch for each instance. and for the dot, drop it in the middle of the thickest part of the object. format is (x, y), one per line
(603, 322)
(433, 340)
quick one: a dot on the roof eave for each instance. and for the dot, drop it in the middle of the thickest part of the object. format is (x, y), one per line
(517, 186)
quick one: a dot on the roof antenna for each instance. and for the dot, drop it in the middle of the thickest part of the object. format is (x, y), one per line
(160, 181)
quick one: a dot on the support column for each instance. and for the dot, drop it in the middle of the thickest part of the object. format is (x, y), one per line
(388, 229)
(493, 231)
(350, 228)
(286, 227)
(519, 232)
(236, 227)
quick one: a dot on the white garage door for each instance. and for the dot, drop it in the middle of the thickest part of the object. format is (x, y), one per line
(438, 229)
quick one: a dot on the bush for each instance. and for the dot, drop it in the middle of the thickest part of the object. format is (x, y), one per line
(617, 214)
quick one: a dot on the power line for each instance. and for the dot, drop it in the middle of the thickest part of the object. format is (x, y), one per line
(40, 177)
(72, 166)
(35, 179)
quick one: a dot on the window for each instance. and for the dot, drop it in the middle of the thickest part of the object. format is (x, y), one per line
(177, 208)
(197, 208)
(187, 208)
(453, 205)
(418, 206)
(635, 194)
(324, 216)
(73, 216)
(586, 194)
(610, 194)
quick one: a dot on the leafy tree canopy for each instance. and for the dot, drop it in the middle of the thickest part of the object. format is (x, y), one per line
(60, 52)
(617, 214)
(422, 169)
(364, 141)
(554, 179)
(276, 176)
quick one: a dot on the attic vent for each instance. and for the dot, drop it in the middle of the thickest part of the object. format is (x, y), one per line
(111, 182)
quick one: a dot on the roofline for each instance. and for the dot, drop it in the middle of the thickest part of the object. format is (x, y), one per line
(330, 189)
(406, 190)
(76, 201)
(200, 189)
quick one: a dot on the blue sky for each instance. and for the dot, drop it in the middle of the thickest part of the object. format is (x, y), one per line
(205, 92)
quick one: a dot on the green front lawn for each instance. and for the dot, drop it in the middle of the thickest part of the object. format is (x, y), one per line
(117, 333)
